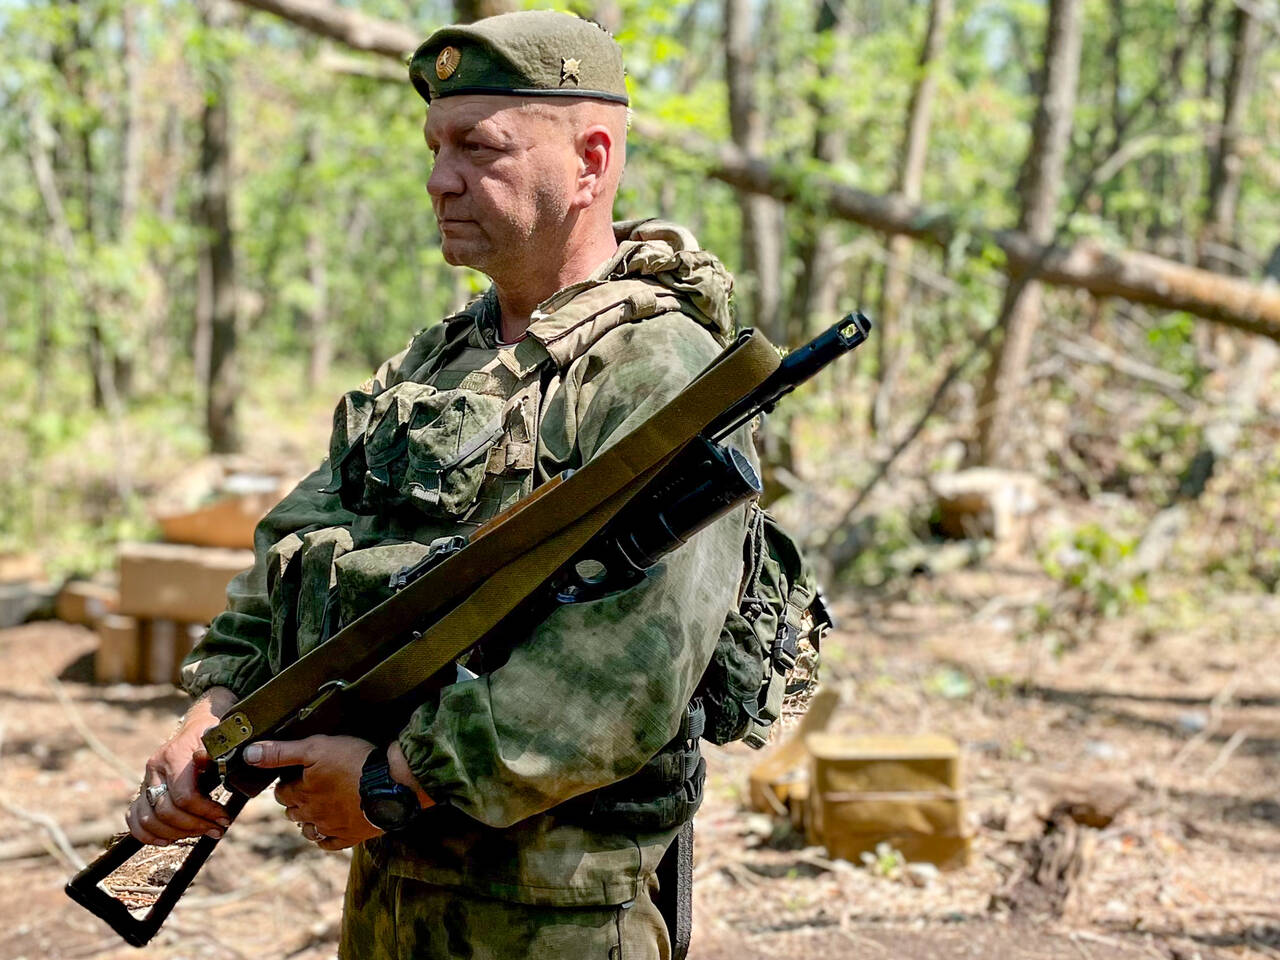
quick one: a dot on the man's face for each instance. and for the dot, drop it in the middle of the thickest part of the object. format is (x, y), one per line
(501, 182)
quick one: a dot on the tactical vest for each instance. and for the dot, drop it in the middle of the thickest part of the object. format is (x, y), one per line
(451, 445)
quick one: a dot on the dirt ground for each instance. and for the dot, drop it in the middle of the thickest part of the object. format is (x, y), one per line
(1179, 716)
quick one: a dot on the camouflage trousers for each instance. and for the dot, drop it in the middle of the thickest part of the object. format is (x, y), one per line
(388, 917)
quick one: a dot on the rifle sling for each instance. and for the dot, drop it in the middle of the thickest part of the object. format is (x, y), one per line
(476, 617)
(500, 566)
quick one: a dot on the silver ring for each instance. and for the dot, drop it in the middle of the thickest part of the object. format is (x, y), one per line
(155, 792)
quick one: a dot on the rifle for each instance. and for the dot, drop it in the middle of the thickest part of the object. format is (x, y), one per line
(581, 536)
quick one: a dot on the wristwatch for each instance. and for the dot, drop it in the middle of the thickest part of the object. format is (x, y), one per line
(386, 803)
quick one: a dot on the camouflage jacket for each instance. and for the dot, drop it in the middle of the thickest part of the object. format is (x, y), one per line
(591, 693)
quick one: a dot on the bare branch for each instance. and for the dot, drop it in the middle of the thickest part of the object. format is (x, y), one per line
(355, 29)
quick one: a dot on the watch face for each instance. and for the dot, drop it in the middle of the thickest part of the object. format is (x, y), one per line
(391, 810)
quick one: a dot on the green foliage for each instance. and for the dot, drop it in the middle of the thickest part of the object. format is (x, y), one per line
(1091, 561)
(1160, 448)
(885, 861)
(1246, 555)
(1171, 340)
(330, 174)
(950, 683)
(886, 536)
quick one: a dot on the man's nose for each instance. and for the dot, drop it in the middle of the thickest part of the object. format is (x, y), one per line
(444, 180)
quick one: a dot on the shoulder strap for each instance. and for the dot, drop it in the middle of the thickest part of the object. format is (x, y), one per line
(572, 330)
(801, 587)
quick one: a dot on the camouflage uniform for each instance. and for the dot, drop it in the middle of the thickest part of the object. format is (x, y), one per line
(447, 434)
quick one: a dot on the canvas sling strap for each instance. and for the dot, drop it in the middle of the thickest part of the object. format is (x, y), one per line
(506, 560)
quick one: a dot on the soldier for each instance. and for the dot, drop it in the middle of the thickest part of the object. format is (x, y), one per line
(523, 810)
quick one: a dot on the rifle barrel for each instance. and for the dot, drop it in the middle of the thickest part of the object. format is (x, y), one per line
(797, 366)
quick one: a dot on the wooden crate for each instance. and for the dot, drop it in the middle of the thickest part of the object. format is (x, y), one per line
(167, 581)
(133, 650)
(85, 602)
(904, 791)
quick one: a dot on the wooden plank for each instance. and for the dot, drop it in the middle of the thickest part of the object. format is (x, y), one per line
(85, 602)
(164, 581)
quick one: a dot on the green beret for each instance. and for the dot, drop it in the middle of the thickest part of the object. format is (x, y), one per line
(535, 53)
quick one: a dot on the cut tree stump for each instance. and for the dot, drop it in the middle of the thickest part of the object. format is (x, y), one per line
(986, 502)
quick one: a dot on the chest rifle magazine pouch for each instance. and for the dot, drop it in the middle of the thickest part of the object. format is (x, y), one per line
(449, 436)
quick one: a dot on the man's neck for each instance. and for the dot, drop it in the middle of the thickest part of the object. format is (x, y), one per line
(518, 297)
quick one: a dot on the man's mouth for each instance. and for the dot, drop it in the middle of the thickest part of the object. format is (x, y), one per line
(452, 225)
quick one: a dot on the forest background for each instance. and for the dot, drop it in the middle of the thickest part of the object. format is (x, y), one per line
(213, 221)
(1064, 218)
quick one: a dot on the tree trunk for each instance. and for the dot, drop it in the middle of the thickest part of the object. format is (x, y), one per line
(101, 365)
(130, 121)
(895, 313)
(817, 282)
(217, 252)
(321, 346)
(1041, 181)
(1226, 164)
(321, 339)
(761, 219)
(130, 166)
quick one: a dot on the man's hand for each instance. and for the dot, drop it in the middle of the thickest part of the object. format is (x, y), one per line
(325, 796)
(182, 810)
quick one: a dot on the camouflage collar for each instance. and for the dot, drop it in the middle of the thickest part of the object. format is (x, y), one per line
(658, 266)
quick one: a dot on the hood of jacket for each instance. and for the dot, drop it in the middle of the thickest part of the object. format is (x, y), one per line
(658, 268)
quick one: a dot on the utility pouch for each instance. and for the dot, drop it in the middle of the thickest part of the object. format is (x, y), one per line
(663, 794)
(413, 450)
(449, 436)
(759, 645)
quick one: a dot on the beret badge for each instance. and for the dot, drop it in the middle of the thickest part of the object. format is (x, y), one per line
(447, 62)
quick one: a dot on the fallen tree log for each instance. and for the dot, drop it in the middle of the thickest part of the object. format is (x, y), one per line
(1127, 274)
(351, 27)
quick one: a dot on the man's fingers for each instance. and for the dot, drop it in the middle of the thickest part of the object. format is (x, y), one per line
(187, 798)
(152, 824)
(139, 831)
(279, 753)
(200, 758)
(169, 814)
(288, 793)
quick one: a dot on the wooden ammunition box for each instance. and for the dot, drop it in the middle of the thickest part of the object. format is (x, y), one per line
(904, 791)
(85, 602)
(166, 581)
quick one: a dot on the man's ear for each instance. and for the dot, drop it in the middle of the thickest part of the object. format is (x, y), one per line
(596, 157)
